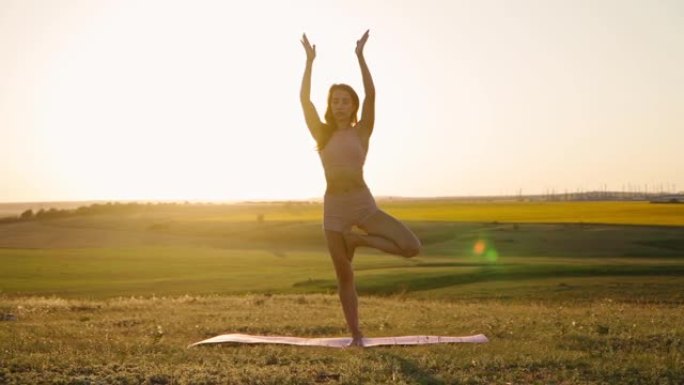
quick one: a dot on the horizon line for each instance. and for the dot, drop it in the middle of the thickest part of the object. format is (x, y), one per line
(403, 197)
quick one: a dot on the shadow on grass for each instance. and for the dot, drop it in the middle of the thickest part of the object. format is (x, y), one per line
(411, 371)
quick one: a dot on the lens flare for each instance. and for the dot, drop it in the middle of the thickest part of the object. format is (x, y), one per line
(479, 247)
(492, 255)
(483, 248)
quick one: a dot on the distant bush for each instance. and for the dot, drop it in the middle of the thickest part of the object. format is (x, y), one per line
(50, 213)
(93, 209)
(28, 214)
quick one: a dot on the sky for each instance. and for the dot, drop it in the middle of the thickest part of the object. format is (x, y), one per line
(199, 100)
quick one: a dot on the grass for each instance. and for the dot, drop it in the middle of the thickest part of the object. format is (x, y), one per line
(143, 340)
(567, 293)
(289, 257)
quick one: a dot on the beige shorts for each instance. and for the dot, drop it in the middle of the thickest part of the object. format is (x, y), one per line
(342, 211)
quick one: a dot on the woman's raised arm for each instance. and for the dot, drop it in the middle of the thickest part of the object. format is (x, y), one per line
(368, 112)
(312, 120)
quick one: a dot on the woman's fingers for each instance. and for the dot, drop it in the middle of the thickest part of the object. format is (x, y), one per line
(305, 42)
(364, 37)
(310, 51)
(361, 42)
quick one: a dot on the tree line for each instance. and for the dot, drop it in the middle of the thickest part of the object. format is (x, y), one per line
(93, 209)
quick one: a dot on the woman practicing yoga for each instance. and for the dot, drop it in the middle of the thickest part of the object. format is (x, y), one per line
(342, 145)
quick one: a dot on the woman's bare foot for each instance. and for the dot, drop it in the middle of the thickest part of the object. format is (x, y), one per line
(357, 341)
(351, 242)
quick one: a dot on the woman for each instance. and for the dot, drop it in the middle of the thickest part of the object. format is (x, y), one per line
(342, 146)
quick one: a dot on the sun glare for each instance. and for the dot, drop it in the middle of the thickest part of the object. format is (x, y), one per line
(172, 113)
(199, 100)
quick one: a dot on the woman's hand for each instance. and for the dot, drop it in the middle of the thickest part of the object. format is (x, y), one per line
(360, 43)
(310, 51)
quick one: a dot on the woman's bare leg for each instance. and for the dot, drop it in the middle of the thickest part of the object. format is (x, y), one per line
(346, 288)
(385, 233)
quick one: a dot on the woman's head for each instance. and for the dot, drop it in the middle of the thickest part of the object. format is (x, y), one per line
(343, 105)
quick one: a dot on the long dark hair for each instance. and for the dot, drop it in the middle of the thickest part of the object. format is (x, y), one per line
(330, 125)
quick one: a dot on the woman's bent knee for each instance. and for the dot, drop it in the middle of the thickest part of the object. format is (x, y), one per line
(412, 249)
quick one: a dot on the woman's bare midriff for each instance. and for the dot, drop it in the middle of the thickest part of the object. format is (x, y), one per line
(344, 180)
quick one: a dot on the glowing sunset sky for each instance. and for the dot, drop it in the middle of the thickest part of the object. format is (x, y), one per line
(199, 100)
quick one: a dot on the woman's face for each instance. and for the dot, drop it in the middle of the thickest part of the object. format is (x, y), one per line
(341, 105)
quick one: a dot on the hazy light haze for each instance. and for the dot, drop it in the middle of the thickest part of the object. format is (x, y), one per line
(199, 100)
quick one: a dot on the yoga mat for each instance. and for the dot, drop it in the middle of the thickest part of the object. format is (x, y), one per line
(340, 342)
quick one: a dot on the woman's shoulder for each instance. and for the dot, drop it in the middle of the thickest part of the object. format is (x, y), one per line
(364, 130)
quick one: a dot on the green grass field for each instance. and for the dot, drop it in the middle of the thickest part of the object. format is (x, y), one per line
(568, 293)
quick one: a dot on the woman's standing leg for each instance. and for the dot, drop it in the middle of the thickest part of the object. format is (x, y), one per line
(346, 288)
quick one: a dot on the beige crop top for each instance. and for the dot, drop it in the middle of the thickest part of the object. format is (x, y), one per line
(344, 149)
